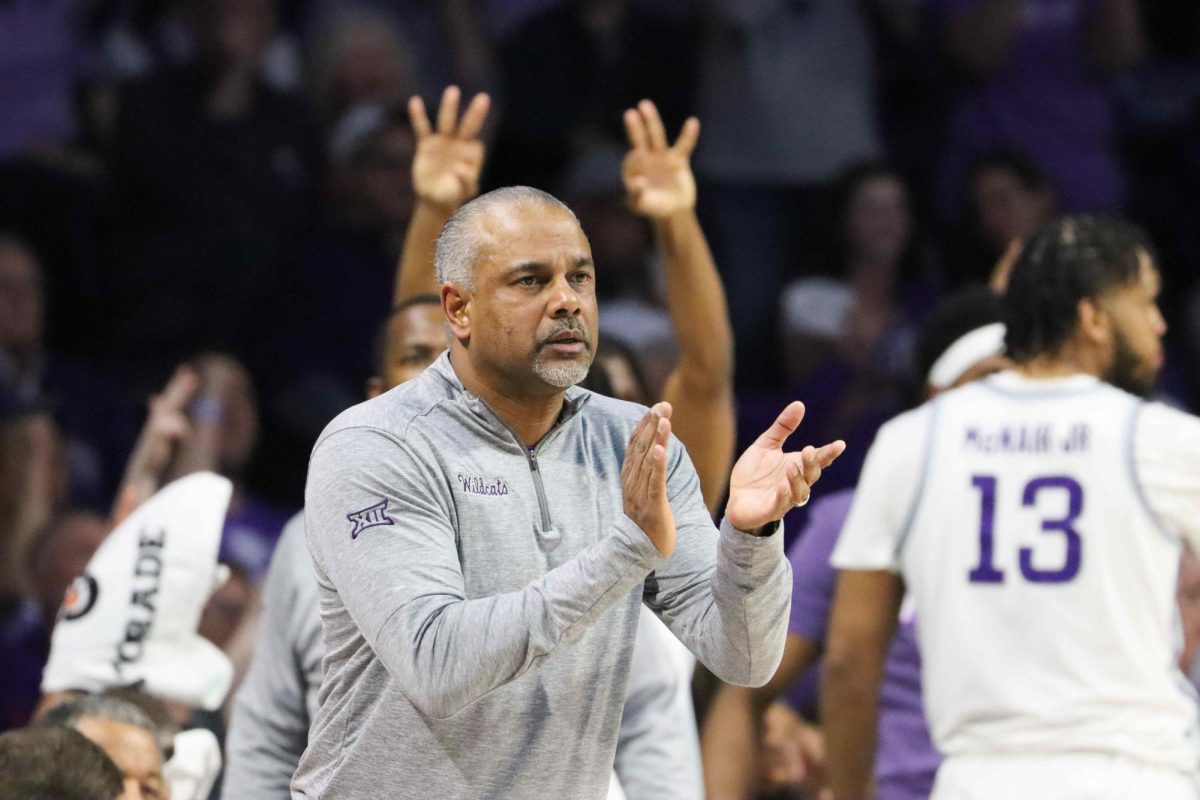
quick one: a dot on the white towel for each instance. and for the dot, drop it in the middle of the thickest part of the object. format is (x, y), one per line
(193, 768)
(131, 618)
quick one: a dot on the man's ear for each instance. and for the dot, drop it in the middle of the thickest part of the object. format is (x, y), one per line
(1095, 324)
(456, 305)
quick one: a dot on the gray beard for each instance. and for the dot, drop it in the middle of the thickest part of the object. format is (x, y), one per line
(560, 375)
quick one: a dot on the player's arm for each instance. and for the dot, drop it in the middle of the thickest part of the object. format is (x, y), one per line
(445, 175)
(867, 598)
(659, 181)
(729, 738)
(269, 719)
(865, 609)
(378, 520)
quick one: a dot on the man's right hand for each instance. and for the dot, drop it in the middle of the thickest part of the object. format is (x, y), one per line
(644, 478)
(448, 161)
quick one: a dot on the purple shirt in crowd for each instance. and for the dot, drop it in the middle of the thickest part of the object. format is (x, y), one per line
(905, 761)
(1043, 100)
(252, 527)
(40, 59)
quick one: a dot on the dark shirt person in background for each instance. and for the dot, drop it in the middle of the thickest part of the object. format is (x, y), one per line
(1036, 78)
(90, 409)
(215, 172)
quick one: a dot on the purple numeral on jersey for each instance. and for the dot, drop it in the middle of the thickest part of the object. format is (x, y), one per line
(1074, 557)
(986, 571)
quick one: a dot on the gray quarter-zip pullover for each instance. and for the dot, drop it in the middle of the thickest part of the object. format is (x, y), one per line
(658, 749)
(480, 601)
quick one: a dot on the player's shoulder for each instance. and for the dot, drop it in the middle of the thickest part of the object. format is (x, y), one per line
(1165, 425)
(911, 427)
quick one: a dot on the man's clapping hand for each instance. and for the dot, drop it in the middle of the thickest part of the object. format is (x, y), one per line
(766, 481)
(644, 478)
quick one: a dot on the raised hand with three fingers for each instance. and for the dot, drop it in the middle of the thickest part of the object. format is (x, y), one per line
(658, 175)
(767, 482)
(449, 159)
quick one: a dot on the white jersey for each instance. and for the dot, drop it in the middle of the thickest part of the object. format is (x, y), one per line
(1037, 525)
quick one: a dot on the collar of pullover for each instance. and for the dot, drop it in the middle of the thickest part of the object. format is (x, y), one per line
(442, 370)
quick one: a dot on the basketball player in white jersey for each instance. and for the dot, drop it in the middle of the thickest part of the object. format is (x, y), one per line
(1036, 519)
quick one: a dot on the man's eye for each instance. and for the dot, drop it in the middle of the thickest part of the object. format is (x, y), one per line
(528, 280)
(582, 277)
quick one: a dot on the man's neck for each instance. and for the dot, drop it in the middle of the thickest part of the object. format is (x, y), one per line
(530, 415)
(1070, 361)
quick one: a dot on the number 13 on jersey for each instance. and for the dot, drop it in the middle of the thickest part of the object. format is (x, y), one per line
(1034, 493)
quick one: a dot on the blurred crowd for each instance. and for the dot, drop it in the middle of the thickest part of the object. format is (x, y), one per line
(226, 185)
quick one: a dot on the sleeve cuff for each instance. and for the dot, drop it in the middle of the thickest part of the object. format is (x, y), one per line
(753, 558)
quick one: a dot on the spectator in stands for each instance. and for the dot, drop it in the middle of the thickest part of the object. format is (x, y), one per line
(59, 551)
(381, 52)
(361, 58)
(42, 547)
(848, 334)
(33, 485)
(88, 407)
(1009, 198)
(344, 277)
(126, 734)
(215, 172)
(787, 95)
(225, 432)
(22, 319)
(40, 62)
(51, 762)
(571, 69)
(1036, 75)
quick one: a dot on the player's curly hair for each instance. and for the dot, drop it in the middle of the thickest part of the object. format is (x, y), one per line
(1074, 258)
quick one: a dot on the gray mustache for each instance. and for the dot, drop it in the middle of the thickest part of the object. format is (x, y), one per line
(568, 325)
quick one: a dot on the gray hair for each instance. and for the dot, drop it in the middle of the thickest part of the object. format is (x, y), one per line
(99, 707)
(458, 245)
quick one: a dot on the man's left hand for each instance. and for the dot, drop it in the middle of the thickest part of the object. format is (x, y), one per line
(766, 481)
